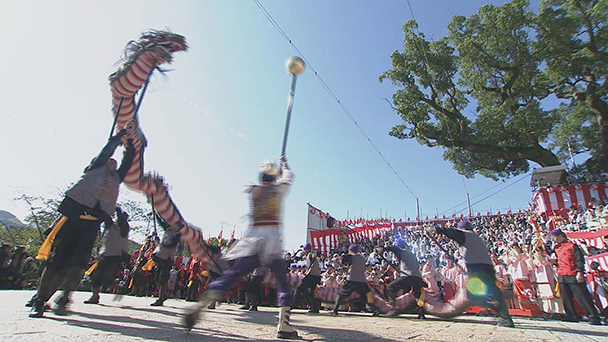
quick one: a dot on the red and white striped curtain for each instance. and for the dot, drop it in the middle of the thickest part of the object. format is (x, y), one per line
(563, 197)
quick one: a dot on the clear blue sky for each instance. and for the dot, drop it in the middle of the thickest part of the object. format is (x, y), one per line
(221, 111)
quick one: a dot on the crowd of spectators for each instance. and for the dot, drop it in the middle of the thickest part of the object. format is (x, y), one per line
(18, 270)
(520, 249)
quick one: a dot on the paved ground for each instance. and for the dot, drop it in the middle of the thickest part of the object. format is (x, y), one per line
(133, 319)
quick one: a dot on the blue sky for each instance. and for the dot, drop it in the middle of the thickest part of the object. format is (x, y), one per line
(221, 110)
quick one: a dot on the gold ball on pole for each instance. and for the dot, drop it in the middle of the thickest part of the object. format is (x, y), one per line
(295, 65)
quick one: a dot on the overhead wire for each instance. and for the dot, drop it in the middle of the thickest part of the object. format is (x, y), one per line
(39, 135)
(276, 25)
(333, 95)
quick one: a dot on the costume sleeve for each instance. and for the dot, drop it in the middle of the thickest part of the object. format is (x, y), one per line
(162, 222)
(453, 234)
(106, 152)
(347, 259)
(287, 177)
(579, 258)
(396, 250)
(127, 160)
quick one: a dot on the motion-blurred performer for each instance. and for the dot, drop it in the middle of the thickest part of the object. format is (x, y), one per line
(355, 281)
(253, 289)
(112, 254)
(262, 245)
(89, 202)
(216, 267)
(164, 257)
(410, 278)
(311, 279)
(482, 278)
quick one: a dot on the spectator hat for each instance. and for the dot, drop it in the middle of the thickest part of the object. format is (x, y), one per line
(400, 243)
(353, 248)
(557, 232)
(465, 224)
(307, 247)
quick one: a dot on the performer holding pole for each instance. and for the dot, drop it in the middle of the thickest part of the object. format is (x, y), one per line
(262, 244)
(89, 202)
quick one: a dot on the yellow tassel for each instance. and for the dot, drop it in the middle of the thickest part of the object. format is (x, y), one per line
(422, 298)
(370, 298)
(88, 218)
(92, 268)
(190, 283)
(557, 292)
(45, 249)
(131, 283)
(148, 266)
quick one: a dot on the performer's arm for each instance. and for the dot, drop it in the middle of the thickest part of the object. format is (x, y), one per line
(347, 259)
(396, 250)
(127, 160)
(579, 259)
(107, 151)
(161, 221)
(287, 175)
(453, 234)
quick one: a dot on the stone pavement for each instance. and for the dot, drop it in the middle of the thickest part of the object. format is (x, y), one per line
(133, 319)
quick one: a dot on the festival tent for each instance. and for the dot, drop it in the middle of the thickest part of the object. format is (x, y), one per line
(329, 239)
(558, 198)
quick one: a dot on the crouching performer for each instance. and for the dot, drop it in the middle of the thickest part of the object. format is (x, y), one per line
(409, 279)
(163, 257)
(481, 284)
(262, 245)
(113, 253)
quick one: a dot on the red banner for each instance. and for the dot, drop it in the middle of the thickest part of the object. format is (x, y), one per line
(329, 239)
(591, 238)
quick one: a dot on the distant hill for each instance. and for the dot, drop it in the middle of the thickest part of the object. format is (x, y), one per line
(10, 219)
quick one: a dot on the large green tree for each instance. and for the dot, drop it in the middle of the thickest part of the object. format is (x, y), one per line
(480, 93)
(572, 39)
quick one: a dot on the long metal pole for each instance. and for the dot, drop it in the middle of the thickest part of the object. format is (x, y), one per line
(116, 115)
(289, 107)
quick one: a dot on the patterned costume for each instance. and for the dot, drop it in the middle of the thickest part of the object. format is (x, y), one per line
(261, 245)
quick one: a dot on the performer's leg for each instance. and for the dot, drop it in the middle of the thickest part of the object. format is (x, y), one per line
(392, 290)
(417, 286)
(568, 299)
(492, 298)
(255, 292)
(97, 279)
(224, 283)
(46, 288)
(162, 277)
(315, 304)
(582, 295)
(284, 300)
(53, 274)
(345, 291)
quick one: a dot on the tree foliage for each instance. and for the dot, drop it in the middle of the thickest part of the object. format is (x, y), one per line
(480, 92)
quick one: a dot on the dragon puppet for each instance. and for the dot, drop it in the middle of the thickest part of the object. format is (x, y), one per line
(141, 58)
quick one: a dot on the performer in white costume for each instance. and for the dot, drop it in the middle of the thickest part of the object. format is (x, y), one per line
(262, 245)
